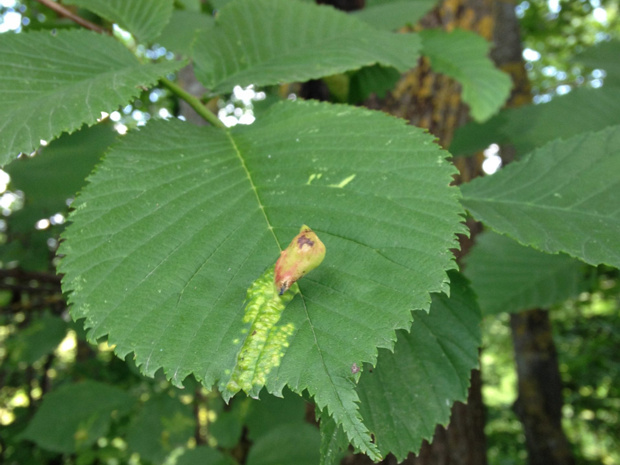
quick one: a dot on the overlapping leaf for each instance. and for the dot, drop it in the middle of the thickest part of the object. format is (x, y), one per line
(87, 410)
(179, 221)
(145, 19)
(372, 79)
(392, 14)
(531, 126)
(463, 55)
(413, 388)
(163, 424)
(51, 84)
(293, 443)
(56, 174)
(204, 455)
(273, 41)
(509, 277)
(183, 29)
(605, 56)
(40, 338)
(562, 197)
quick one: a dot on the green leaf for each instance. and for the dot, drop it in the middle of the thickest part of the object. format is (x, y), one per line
(51, 84)
(531, 126)
(48, 181)
(163, 424)
(562, 197)
(270, 412)
(298, 444)
(178, 222)
(509, 277)
(334, 442)
(463, 55)
(203, 455)
(605, 56)
(266, 342)
(393, 14)
(87, 410)
(413, 388)
(183, 29)
(40, 338)
(190, 5)
(57, 173)
(226, 430)
(372, 79)
(30, 250)
(145, 19)
(286, 40)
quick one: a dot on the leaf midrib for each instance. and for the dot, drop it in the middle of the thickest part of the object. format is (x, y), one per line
(359, 433)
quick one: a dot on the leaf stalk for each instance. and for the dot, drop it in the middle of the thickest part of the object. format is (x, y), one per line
(193, 102)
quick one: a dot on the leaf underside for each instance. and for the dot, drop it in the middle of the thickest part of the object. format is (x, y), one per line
(51, 84)
(562, 197)
(280, 43)
(178, 221)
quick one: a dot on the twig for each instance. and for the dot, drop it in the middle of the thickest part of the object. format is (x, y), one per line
(193, 102)
(62, 11)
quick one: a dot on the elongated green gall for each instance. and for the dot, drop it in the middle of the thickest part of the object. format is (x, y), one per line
(304, 254)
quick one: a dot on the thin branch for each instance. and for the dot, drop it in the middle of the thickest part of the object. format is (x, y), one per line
(193, 102)
(62, 11)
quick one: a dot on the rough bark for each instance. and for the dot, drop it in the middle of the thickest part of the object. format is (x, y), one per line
(539, 404)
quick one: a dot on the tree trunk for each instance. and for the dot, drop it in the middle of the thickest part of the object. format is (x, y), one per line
(539, 404)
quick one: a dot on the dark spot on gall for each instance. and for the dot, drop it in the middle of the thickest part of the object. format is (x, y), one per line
(303, 240)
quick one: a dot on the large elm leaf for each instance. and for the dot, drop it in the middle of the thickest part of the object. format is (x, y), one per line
(179, 221)
(273, 41)
(509, 277)
(463, 55)
(562, 197)
(413, 388)
(145, 19)
(51, 84)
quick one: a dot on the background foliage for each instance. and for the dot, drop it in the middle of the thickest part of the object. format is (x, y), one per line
(177, 221)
